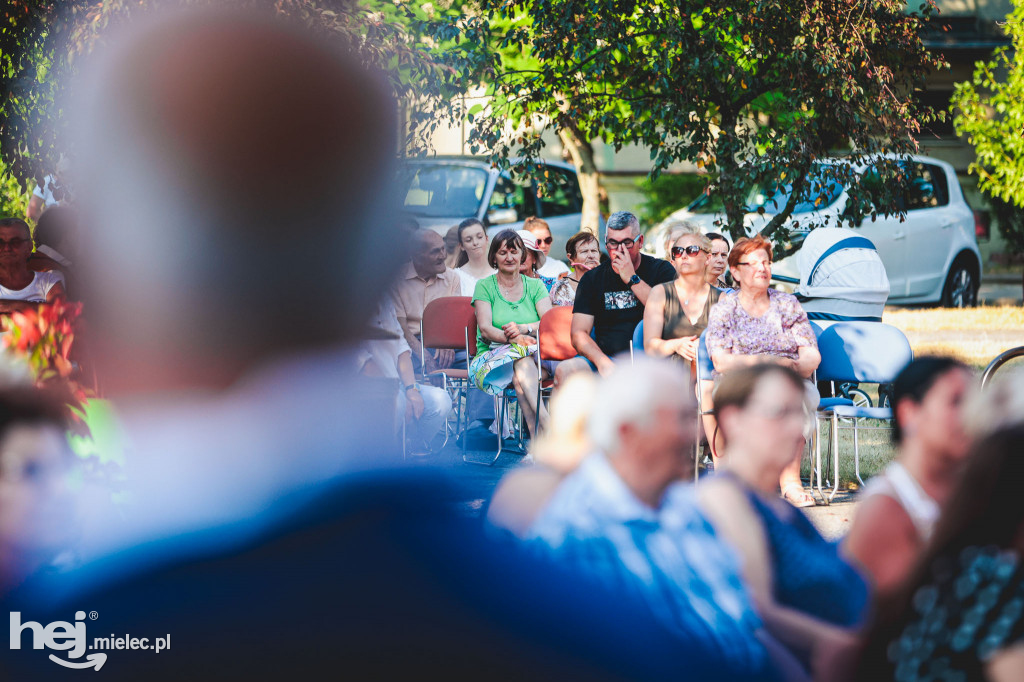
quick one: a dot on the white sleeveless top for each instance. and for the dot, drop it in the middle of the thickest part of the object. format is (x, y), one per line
(37, 291)
(897, 483)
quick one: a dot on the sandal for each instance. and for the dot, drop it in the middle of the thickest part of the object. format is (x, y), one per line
(795, 494)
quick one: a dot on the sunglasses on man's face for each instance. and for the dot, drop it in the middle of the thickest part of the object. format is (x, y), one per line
(692, 250)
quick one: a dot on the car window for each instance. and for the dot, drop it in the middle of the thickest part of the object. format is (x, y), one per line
(927, 187)
(436, 190)
(559, 193)
(509, 194)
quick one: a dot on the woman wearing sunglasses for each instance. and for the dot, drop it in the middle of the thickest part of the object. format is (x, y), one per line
(677, 312)
(547, 266)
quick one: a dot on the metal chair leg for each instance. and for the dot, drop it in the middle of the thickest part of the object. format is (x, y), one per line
(499, 409)
(835, 457)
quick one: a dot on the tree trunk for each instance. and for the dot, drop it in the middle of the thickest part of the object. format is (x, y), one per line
(582, 154)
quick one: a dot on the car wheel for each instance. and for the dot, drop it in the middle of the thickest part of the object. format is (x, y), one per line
(961, 290)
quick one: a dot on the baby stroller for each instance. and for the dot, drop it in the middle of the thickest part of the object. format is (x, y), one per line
(842, 278)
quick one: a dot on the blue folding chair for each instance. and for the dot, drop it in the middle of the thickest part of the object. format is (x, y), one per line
(861, 352)
(637, 344)
(702, 372)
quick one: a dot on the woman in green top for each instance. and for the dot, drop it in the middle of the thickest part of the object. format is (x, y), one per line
(508, 311)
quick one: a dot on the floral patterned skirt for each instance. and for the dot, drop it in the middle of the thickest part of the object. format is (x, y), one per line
(491, 370)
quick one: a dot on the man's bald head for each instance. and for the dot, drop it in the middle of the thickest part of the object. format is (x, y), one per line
(428, 253)
(229, 168)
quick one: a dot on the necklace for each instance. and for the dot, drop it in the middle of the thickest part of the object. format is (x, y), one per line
(508, 292)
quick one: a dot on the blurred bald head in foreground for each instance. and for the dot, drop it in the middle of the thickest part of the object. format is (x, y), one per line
(231, 174)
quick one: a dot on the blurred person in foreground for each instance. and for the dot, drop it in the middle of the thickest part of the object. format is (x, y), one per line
(584, 253)
(756, 324)
(898, 509)
(56, 238)
(262, 534)
(37, 521)
(960, 615)
(523, 492)
(809, 598)
(626, 517)
(552, 268)
(21, 287)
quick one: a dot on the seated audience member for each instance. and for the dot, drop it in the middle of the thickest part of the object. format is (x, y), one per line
(524, 491)
(534, 259)
(809, 598)
(56, 240)
(552, 268)
(37, 516)
(677, 312)
(610, 299)
(425, 278)
(718, 260)
(422, 408)
(452, 248)
(585, 254)
(624, 517)
(53, 192)
(757, 324)
(898, 509)
(509, 306)
(959, 616)
(472, 264)
(20, 287)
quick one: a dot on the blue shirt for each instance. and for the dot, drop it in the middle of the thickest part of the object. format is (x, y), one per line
(669, 557)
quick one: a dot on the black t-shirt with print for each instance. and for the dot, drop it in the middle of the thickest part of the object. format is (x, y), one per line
(616, 309)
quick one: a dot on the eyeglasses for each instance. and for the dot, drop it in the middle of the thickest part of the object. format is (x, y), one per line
(779, 412)
(691, 250)
(545, 240)
(611, 244)
(15, 243)
(757, 263)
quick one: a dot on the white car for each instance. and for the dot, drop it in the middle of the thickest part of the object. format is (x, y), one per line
(930, 255)
(443, 191)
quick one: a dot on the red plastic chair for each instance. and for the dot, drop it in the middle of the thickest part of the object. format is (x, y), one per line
(449, 323)
(554, 342)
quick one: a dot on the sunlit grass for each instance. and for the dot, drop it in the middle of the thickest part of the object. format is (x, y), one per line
(1010, 318)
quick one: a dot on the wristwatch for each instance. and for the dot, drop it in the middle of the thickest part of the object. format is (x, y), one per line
(634, 280)
(410, 387)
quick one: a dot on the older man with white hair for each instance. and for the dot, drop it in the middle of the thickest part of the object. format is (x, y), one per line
(625, 517)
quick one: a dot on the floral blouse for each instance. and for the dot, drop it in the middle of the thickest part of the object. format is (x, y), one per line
(780, 331)
(562, 292)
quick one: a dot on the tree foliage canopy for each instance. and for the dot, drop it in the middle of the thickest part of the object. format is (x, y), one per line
(752, 91)
(42, 41)
(989, 111)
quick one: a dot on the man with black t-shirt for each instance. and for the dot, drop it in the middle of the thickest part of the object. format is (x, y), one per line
(610, 298)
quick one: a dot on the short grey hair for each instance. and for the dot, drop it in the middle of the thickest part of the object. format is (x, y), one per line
(622, 220)
(632, 394)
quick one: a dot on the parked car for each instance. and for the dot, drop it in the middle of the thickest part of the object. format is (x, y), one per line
(930, 254)
(443, 191)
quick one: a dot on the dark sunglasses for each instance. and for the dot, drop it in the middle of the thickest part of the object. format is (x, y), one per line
(545, 240)
(691, 250)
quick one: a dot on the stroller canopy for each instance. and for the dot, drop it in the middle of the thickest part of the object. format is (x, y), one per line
(841, 276)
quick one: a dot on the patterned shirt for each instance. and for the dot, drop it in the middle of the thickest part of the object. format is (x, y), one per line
(668, 557)
(780, 331)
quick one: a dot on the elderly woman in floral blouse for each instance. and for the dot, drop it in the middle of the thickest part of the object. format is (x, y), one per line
(757, 324)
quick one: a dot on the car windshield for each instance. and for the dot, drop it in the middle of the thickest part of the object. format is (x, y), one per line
(442, 190)
(772, 197)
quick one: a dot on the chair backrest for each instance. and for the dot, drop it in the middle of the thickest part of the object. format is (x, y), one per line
(448, 322)
(554, 341)
(638, 338)
(870, 352)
